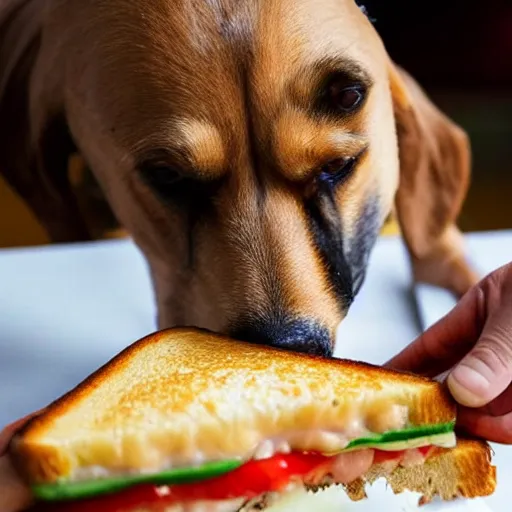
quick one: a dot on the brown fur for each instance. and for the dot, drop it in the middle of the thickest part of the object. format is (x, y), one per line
(222, 90)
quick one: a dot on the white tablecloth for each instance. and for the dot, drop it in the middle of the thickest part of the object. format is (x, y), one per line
(64, 311)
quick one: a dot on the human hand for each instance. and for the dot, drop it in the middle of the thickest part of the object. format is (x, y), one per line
(474, 342)
(14, 494)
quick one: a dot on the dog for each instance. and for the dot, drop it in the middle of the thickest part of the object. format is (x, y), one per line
(251, 148)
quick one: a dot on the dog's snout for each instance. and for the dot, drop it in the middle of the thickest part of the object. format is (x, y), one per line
(297, 335)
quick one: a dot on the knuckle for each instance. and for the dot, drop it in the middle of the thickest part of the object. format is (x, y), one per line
(497, 288)
(495, 353)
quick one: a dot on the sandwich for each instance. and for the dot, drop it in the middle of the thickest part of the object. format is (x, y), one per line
(187, 420)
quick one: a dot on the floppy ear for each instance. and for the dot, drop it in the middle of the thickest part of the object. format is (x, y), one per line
(35, 143)
(435, 162)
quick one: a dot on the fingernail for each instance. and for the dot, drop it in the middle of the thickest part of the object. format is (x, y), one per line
(468, 386)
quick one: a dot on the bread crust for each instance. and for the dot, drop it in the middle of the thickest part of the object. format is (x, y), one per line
(173, 394)
(461, 472)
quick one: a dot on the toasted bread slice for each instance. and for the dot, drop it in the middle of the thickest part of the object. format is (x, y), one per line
(183, 396)
(461, 472)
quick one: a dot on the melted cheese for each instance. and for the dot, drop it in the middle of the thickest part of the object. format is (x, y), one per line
(313, 440)
(380, 417)
(319, 440)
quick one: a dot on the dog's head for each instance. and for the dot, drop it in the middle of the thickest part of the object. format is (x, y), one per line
(251, 149)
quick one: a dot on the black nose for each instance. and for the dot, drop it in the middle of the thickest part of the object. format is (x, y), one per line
(297, 335)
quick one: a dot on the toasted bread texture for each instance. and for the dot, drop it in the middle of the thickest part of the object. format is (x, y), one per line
(461, 472)
(183, 396)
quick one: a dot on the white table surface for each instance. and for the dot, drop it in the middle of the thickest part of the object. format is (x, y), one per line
(65, 310)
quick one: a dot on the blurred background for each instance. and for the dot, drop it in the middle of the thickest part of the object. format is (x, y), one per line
(459, 51)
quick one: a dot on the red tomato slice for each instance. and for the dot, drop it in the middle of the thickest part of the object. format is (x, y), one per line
(425, 450)
(254, 478)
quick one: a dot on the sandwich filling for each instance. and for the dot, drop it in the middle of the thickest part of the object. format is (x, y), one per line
(269, 470)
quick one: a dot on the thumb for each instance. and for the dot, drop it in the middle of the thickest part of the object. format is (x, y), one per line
(10, 430)
(486, 371)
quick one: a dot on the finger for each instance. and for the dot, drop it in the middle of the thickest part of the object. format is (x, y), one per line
(441, 346)
(501, 405)
(497, 429)
(7, 433)
(14, 494)
(486, 371)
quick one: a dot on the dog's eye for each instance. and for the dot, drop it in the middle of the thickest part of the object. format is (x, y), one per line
(337, 170)
(162, 176)
(342, 92)
(166, 182)
(346, 99)
(177, 186)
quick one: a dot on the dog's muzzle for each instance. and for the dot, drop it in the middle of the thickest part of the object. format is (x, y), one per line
(290, 334)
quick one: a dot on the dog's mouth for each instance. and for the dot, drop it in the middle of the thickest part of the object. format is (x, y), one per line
(297, 335)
